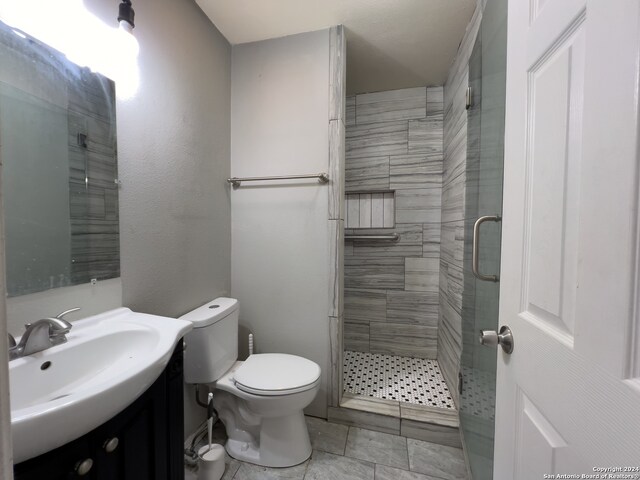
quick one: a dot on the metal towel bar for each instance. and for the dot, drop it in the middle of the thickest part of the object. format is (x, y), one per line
(236, 181)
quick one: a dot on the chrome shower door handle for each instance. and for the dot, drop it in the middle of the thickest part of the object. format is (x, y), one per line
(476, 248)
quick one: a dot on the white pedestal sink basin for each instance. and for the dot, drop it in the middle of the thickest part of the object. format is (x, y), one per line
(109, 360)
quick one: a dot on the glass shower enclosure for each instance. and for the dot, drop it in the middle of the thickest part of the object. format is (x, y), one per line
(483, 196)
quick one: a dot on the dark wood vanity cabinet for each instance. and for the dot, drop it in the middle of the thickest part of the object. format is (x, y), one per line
(143, 442)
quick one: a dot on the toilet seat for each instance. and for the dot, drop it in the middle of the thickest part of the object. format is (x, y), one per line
(272, 374)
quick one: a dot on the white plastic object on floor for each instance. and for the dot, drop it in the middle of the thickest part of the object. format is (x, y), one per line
(211, 462)
(251, 344)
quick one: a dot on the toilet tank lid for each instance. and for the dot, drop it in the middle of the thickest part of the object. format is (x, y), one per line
(211, 312)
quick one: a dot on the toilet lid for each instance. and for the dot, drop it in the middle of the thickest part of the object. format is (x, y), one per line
(276, 374)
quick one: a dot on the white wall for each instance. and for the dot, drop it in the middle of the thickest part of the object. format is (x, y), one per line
(173, 159)
(280, 239)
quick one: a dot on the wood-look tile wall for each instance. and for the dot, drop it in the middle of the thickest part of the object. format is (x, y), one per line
(336, 217)
(394, 157)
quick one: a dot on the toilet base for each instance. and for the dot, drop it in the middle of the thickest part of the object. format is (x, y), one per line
(283, 442)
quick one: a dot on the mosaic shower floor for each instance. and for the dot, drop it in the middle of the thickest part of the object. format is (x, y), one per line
(478, 394)
(390, 377)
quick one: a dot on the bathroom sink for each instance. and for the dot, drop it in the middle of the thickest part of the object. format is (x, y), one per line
(109, 360)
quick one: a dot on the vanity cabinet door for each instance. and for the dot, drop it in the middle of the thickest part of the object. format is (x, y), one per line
(146, 440)
(59, 464)
(133, 445)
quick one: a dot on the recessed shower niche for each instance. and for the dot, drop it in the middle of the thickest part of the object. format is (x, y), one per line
(369, 210)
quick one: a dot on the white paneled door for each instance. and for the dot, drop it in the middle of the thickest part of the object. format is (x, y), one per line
(568, 397)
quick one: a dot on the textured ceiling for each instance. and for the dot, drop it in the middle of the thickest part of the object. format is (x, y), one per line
(390, 43)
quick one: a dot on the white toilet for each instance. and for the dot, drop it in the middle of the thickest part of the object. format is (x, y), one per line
(260, 400)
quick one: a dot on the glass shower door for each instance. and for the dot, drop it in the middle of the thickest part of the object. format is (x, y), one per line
(483, 196)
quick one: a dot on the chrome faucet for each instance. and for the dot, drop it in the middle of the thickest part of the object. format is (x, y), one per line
(41, 335)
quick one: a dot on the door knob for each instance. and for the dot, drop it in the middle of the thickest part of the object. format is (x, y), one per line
(504, 338)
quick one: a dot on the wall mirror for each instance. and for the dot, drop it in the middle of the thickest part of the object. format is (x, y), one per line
(60, 172)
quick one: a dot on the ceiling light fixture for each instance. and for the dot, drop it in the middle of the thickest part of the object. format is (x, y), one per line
(125, 15)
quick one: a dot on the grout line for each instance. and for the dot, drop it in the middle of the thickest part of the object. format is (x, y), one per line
(407, 444)
(355, 110)
(346, 439)
(426, 102)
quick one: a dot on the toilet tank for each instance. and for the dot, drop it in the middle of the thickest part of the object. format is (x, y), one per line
(212, 345)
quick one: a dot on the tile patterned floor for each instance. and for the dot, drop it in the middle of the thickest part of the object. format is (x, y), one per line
(350, 453)
(478, 393)
(390, 377)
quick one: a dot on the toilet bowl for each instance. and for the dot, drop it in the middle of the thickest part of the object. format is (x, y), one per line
(265, 423)
(261, 400)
